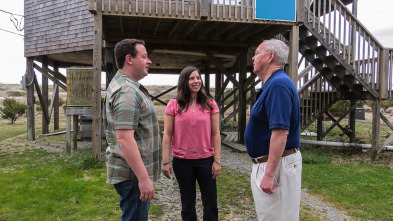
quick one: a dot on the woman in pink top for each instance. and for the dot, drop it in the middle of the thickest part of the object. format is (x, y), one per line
(191, 130)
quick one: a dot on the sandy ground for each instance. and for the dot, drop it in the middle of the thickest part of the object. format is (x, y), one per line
(5, 90)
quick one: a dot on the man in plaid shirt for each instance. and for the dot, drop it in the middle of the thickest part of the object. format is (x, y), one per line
(133, 156)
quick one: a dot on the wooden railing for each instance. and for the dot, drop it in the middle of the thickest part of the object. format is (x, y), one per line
(315, 93)
(233, 10)
(352, 44)
(390, 72)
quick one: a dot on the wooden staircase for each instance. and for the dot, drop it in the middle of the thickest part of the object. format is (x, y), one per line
(344, 61)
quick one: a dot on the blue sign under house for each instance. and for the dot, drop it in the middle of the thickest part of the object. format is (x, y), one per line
(280, 10)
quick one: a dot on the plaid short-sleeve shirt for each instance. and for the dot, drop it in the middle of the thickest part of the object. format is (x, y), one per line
(128, 106)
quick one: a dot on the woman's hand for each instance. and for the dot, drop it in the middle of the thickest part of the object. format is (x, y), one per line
(216, 169)
(167, 170)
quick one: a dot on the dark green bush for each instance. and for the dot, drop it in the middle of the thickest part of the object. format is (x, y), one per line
(12, 109)
(39, 108)
(338, 108)
(386, 104)
(16, 93)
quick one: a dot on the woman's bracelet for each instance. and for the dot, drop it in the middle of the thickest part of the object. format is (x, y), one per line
(166, 163)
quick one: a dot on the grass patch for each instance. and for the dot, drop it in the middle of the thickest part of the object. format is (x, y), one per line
(40, 185)
(234, 191)
(363, 190)
(313, 155)
(10, 130)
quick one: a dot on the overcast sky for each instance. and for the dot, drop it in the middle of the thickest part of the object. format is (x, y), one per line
(376, 15)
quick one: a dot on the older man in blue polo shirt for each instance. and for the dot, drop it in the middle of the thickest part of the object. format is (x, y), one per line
(273, 137)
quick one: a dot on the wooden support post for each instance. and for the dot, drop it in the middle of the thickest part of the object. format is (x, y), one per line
(383, 73)
(75, 131)
(218, 87)
(234, 104)
(293, 54)
(68, 134)
(56, 113)
(320, 127)
(45, 90)
(109, 64)
(30, 99)
(375, 129)
(352, 122)
(242, 95)
(96, 136)
(207, 82)
(207, 78)
(253, 94)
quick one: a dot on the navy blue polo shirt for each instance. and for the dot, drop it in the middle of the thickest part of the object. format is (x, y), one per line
(277, 106)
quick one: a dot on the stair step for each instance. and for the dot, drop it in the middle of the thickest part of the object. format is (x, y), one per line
(309, 55)
(336, 81)
(327, 72)
(340, 70)
(303, 31)
(349, 80)
(317, 63)
(321, 52)
(303, 47)
(330, 61)
(311, 41)
(344, 89)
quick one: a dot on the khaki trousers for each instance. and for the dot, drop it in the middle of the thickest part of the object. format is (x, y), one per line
(284, 203)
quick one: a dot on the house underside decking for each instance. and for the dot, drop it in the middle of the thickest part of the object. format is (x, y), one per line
(173, 44)
(178, 33)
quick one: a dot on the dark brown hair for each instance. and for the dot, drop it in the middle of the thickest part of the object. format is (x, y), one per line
(183, 96)
(125, 47)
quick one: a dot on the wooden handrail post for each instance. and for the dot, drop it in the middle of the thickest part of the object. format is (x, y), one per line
(383, 73)
(92, 6)
(204, 9)
(301, 11)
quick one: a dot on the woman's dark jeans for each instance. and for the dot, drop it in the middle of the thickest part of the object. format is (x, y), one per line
(187, 172)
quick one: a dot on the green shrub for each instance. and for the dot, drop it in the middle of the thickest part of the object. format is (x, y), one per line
(90, 162)
(39, 108)
(16, 93)
(386, 104)
(12, 109)
(338, 108)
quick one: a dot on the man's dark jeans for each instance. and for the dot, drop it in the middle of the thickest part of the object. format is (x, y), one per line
(187, 172)
(132, 207)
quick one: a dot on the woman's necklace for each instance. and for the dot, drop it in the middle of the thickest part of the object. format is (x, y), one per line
(192, 106)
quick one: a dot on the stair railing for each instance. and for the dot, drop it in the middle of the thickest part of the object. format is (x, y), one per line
(316, 95)
(348, 38)
(390, 73)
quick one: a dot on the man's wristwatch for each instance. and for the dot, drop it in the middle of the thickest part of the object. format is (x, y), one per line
(218, 161)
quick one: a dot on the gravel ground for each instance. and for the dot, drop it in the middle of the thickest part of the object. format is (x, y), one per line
(169, 197)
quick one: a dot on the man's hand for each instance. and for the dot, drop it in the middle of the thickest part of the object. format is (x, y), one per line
(267, 185)
(147, 189)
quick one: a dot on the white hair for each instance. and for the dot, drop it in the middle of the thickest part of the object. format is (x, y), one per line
(280, 49)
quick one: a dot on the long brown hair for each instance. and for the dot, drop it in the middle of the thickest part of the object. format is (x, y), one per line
(183, 96)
